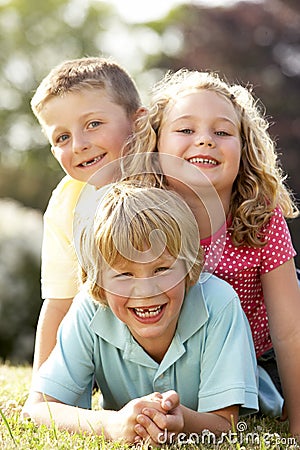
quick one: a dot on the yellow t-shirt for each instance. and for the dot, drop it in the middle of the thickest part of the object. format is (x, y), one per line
(60, 267)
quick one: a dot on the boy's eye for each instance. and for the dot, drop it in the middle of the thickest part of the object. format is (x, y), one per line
(124, 274)
(62, 138)
(94, 124)
(161, 269)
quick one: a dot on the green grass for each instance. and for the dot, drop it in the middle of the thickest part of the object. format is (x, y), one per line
(252, 433)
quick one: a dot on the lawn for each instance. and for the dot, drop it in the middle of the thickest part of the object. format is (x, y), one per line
(251, 433)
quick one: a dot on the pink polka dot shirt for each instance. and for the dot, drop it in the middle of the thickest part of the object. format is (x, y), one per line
(242, 267)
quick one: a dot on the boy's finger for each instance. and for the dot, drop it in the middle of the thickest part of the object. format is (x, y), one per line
(154, 432)
(141, 432)
(170, 400)
(159, 418)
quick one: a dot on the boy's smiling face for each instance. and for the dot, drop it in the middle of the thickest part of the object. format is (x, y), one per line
(147, 297)
(86, 130)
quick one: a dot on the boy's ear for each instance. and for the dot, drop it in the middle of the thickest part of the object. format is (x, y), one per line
(53, 151)
(140, 112)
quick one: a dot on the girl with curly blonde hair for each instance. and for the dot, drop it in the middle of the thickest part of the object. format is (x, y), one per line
(202, 131)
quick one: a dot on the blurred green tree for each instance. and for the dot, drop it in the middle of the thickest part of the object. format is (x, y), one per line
(35, 36)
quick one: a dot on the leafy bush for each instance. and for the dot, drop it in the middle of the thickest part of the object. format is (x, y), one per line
(20, 301)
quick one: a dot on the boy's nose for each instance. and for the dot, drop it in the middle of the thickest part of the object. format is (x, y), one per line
(145, 288)
(80, 143)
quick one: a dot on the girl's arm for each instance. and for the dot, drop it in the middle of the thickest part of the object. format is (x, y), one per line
(180, 422)
(282, 299)
(113, 425)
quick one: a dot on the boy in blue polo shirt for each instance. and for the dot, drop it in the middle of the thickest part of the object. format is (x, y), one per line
(160, 343)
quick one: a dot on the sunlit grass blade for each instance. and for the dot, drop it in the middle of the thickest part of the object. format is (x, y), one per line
(8, 427)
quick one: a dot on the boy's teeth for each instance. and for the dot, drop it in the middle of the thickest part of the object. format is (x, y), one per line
(203, 161)
(93, 161)
(147, 312)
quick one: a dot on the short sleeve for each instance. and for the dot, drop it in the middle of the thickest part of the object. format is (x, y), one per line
(60, 268)
(229, 370)
(279, 248)
(68, 373)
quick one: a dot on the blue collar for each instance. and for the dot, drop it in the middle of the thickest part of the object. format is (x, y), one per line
(194, 314)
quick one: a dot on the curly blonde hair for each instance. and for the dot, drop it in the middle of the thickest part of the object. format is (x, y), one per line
(259, 186)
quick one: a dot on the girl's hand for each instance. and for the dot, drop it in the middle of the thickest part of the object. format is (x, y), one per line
(161, 425)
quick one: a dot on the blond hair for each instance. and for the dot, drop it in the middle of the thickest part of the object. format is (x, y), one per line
(259, 186)
(129, 216)
(87, 73)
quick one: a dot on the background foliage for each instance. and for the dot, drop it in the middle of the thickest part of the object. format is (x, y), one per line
(255, 43)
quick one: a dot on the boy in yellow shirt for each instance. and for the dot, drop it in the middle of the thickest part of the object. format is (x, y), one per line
(87, 108)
